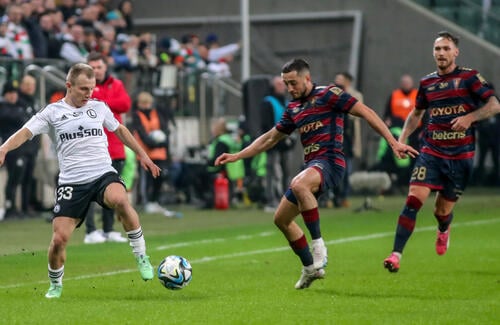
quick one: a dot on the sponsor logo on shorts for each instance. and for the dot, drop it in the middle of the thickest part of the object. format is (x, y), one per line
(57, 208)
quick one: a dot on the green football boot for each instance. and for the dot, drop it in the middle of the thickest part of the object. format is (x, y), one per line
(145, 267)
(55, 291)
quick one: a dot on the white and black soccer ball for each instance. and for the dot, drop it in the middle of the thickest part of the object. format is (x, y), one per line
(175, 272)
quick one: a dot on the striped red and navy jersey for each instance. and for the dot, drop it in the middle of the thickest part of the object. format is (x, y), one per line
(446, 97)
(319, 117)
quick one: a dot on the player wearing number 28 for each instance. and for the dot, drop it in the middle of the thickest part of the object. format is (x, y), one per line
(451, 96)
(86, 173)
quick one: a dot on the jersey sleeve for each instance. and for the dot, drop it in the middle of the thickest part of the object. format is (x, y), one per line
(421, 100)
(479, 87)
(286, 124)
(40, 122)
(109, 122)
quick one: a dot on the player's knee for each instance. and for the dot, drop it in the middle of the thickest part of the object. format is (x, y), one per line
(59, 240)
(119, 203)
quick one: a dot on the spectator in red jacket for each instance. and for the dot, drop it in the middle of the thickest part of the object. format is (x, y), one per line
(112, 92)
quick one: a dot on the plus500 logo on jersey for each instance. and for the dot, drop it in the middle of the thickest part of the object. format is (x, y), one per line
(81, 134)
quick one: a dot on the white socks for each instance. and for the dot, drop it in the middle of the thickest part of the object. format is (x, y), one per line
(55, 276)
(137, 241)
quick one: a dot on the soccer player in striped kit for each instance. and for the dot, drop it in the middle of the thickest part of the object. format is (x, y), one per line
(451, 96)
(317, 112)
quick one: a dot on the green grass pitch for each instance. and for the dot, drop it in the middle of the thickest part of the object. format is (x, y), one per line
(244, 272)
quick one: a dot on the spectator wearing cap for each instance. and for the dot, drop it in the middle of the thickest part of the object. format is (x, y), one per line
(12, 117)
(219, 56)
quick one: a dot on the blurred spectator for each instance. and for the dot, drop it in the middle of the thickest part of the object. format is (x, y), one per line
(115, 19)
(125, 56)
(49, 33)
(272, 109)
(192, 61)
(219, 56)
(113, 93)
(18, 34)
(3, 7)
(125, 7)
(488, 135)
(147, 62)
(221, 142)
(67, 8)
(7, 47)
(352, 145)
(79, 6)
(35, 34)
(401, 102)
(90, 39)
(27, 90)
(73, 48)
(12, 117)
(255, 169)
(149, 126)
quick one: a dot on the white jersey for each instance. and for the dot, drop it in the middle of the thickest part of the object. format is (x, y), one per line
(81, 144)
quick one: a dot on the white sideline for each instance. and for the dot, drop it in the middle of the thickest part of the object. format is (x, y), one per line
(254, 252)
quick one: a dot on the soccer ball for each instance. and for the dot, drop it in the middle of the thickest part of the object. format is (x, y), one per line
(175, 272)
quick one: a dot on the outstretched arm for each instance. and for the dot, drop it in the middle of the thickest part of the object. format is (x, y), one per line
(14, 141)
(400, 149)
(265, 142)
(128, 139)
(489, 109)
(411, 124)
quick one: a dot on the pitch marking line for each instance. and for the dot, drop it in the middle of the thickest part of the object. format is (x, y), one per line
(214, 240)
(257, 252)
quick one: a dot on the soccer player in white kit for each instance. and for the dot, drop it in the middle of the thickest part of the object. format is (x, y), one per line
(76, 125)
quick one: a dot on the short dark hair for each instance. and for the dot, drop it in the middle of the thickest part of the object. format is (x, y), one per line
(96, 56)
(449, 36)
(346, 75)
(299, 65)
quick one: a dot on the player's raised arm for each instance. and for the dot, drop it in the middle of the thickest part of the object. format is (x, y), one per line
(128, 139)
(14, 141)
(264, 142)
(401, 150)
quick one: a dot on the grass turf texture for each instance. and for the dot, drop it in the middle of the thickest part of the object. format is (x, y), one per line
(244, 272)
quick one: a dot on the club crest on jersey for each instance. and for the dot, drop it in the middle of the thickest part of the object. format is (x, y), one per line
(91, 113)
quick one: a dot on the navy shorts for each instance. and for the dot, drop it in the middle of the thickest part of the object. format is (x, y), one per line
(73, 200)
(331, 174)
(448, 176)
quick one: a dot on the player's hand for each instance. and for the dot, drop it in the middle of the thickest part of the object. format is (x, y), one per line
(461, 123)
(225, 158)
(402, 150)
(148, 164)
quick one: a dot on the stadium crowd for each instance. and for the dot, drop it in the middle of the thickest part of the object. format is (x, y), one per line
(68, 31)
